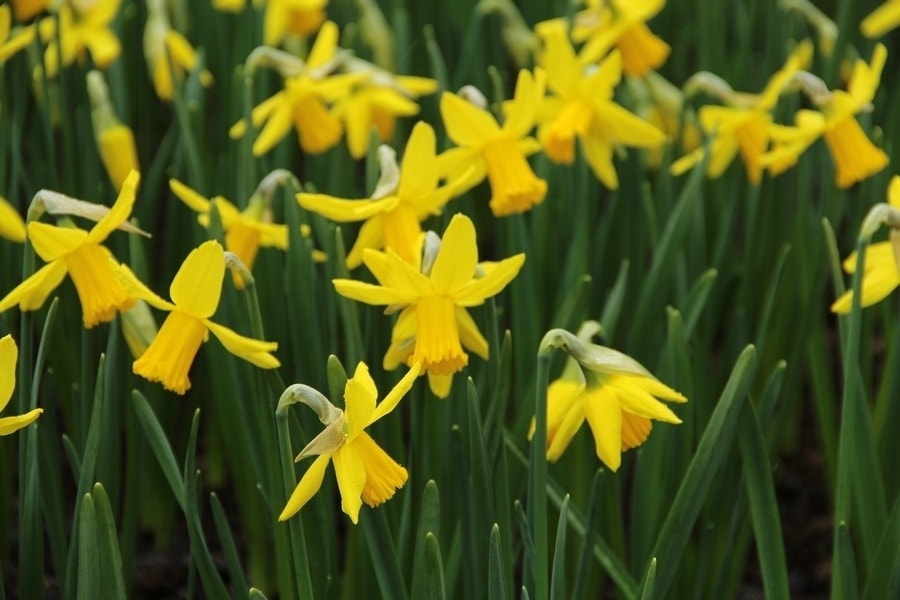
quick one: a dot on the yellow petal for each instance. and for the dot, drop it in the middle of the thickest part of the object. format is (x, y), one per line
(51, 242)
(119, 212)
(370, 236)
(12, 227)
(119, 153)
(136, 288)
(372, 294)
(254, 351)
(345, 211)
(635, 430)
(605, 419)
(104, 47)
(307, 488)
(478, 290)
(277, 126)
(10, 424)
(525, 104)
(565, 414)
(440, 384)
(351, 477)
(469, 335)
(195, 201)
(393, 398)
(9, 353)
(359, 396)
(31, 293)
(197, 286)
(418, 171)
(876, 286)
(457, 258)
(325, 45)
(881, 20)
(635, 399)
(466, 124)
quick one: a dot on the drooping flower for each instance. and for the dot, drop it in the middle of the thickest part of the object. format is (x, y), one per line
(582, 105)
(364, 472)
(745, 125)
(169, 54)
(292, 17)
(195, 293)
(20, 39)
(882, 265)
(855, 156)
(9, 353)
(402, 199)
(434, 325)
(12, 227)
(309, 87)
(881, 20)
(115, 140)
(82, 27)
(487, 150)
(615, 394)
(80, 254)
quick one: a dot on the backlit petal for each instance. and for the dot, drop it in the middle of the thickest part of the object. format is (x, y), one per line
(257, 352)
(307, 488)
(197, 286)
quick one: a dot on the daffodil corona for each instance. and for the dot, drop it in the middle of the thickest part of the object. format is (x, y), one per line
(364, 472)
(434, 325)
(195, 294)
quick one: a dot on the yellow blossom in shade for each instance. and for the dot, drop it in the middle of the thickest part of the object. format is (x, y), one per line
(231, 5)
(292, 17)
(195, 294)
(26, 9)
(745, 125)
(309, 88)
(434, 325)
(169, 54)
(114, 140)
(582, 106)
(83, 26)
(364, 472)
(882, 264)
(20, 39)
(485, 149)
(615, 394)
(403, 198)
(12, 227)
(80, 254)
(855, 157)
(9, 353)
(881, 20)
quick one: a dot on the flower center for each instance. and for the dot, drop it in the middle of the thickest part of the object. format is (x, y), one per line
(514, 186)
(100, 292)
(437, 337)
(170, 355)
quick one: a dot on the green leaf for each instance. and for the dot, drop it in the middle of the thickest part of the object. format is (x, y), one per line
(382, 553)
(614, 301)
(90, 584)
(696, 300)
(558, 574)
(649, 591)
(160, 446)
(582, 576)
(884, 574)
(435, 587)
(496, 581)
(429, 523)
(111, 572)
(847, 563)
(226, 539)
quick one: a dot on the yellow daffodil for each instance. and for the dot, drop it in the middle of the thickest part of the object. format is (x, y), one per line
(309, 87)
(12, 227)
(26, 9)
(616, 395)
(9, 353)
(855, 156)
(80, 254)
(608, 24)
(195, 294)
(495, 152)
(434, 324)
(882, 264)
(20, 39)
(881, 20)
(377, 102)
(402, 199)
(743, 127)
(582, 106)
(83, 26)
(291, 17)
(169, 54)
(232, 5)
(114, 139)
(364, 472)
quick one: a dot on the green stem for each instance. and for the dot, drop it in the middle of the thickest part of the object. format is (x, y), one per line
(537, 505)
(297, 548)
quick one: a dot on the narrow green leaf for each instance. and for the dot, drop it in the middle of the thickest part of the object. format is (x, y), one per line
(614, 301)
(90, 584)
(649, 591)
(255, 594)
(884, 574)
(582, 576)
(847, 564)
(438, 66)
(384, 557)
(160, 446)
(229, 548)
(771, 294)
(713, 446)
(496, 581)
(435, 587)
(429, 522)
(696, 300)
(558, 574)
(763, 505)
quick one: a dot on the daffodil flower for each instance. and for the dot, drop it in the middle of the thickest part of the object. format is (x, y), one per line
(495, 152)
(402, 199)
(882, 265)
(195, 294)
(582, 106)
(309, 87)
(291, 17)
(12, 227)
(82, 255)
(743, 127)
(434, 324)
(364, 472)
(26, 9)
(9, 353)
(115, 140)
(83, 26)
(881, 20)
(615, 394)
(20, 39)
(169, 54)
(855, 156)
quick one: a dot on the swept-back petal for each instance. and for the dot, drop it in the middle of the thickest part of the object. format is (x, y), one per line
(565, 414)
(360, 394)
(478, 290)
(466, 124)
(11, 424)
(31, 293)
(876, 286)
(325, 45)
(136, 288)
(372, 294)
(440, 384)
(393, 398)
(197, 286)
(370, 236)
(9, 353)
(418, 171)
(194, 200)
(469, 335)
(51, 242)
(526, 103)
(277, 126)
(119, 212)
(345, 211)
(881, 20)
(307, 488)
(635, 399)
(457, 258)
(350, 471)
(12, 227)
(254, 351)
(605, 419)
